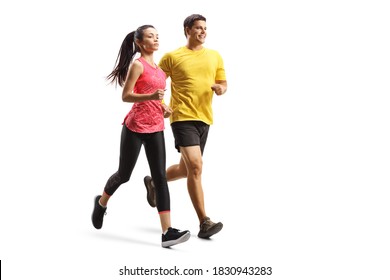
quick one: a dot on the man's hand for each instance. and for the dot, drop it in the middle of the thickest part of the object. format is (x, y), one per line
(166, 110)
(219, 89)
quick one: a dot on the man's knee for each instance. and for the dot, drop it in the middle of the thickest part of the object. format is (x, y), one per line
(192, 158)
(195, 167)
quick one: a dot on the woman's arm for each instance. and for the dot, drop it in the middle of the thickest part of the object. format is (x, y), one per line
(135, 71)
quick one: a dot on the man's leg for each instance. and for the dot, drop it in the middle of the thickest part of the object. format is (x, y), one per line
(174, 172)
(177, 171)
(192, 158)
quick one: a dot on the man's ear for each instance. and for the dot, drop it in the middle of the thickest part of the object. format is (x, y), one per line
(187, 29)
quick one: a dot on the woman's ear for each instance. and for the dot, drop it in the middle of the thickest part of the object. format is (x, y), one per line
(138, 43)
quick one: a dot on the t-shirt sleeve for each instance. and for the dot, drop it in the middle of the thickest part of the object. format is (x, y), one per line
(221, 75)
(165, 64)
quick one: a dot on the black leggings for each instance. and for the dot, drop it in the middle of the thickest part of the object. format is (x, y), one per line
(154, 144)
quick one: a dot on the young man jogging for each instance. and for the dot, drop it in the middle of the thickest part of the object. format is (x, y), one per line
(196, 74)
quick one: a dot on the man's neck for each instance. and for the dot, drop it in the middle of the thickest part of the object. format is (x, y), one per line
(194, 47)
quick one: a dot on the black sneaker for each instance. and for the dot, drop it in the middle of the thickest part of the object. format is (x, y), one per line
(98, 213)
(209, 228)
(150, 191)
(174, 236)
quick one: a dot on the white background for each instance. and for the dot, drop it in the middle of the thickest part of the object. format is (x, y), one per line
(296, 165)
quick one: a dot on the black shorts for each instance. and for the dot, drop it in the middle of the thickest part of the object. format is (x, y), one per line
(190, 133)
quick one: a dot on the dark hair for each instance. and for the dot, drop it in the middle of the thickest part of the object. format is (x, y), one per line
(190, 20)
(126, 54)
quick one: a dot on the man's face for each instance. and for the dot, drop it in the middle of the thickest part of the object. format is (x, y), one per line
(198, 32)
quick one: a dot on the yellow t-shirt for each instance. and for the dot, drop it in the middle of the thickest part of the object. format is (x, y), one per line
(192, 74)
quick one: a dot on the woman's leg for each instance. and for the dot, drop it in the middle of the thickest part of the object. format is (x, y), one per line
(129, 150)
(155, 153)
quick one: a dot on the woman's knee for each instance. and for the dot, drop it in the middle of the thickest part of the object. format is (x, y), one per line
(122, 177)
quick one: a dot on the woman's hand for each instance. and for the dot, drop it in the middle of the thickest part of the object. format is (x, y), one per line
(158, 94)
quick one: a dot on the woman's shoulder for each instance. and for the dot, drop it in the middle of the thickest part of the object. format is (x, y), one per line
(137, 66)
(138, 63)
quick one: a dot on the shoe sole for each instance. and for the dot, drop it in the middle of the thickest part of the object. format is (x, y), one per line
(182, 239)
(147, 180)
(213, 230)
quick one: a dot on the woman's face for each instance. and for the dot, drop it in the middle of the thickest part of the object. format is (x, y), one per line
(150, 40)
